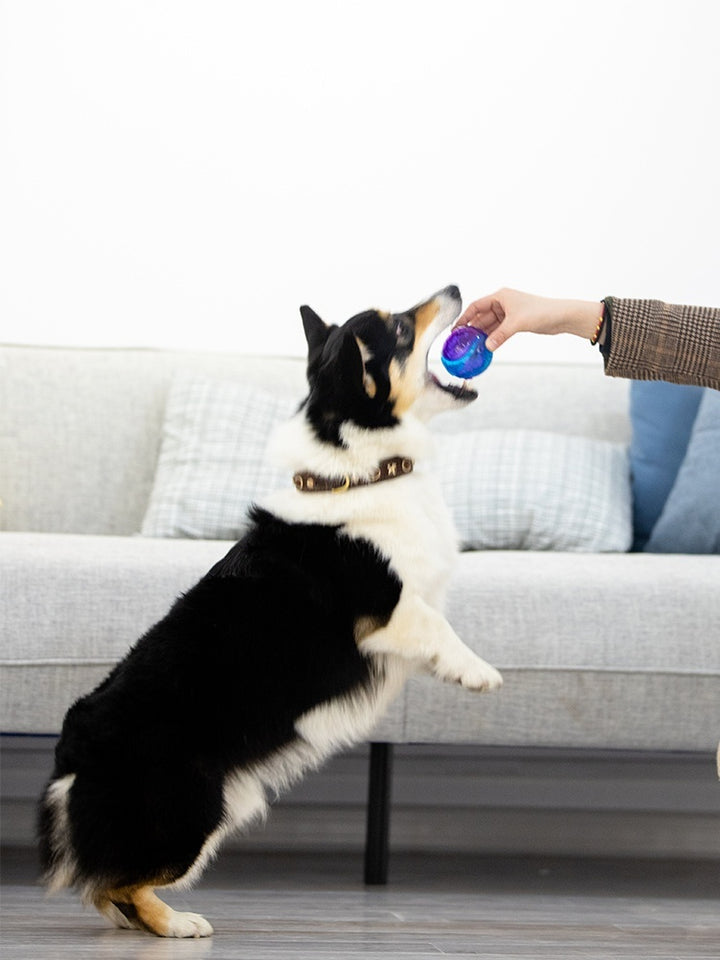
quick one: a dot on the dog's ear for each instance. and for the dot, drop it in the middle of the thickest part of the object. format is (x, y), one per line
(316, 332)
(350, 365)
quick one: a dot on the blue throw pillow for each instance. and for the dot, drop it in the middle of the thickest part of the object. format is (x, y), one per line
(662, 416)
(690, 521)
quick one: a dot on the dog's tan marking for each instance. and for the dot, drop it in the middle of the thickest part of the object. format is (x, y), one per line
(364, 626)
(424, 316)
(151, 911)
(406, 381)
(369, 384)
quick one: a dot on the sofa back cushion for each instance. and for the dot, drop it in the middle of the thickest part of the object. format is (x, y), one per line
(80, 429)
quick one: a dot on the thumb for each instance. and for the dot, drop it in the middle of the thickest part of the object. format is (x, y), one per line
(498, 337)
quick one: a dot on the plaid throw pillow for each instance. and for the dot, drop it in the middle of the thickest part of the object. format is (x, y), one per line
(212, 458)
(507, 489)
(532, 490)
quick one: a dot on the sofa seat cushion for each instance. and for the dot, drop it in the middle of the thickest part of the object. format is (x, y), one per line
(609, 651)
(597, 651)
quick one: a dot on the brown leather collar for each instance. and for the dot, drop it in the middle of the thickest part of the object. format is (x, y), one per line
(385, 470)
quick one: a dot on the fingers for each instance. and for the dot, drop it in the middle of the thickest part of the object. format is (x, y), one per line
(483, 314)
(489, 315)
(508, 312)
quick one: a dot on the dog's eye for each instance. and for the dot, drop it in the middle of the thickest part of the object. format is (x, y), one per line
(404, 332)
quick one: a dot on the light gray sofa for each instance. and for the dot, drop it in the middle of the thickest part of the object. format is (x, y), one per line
(611, 651)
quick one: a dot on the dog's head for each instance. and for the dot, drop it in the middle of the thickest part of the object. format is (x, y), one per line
(373, 369)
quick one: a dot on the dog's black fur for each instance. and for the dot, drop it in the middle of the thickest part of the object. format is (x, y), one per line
(217, 684)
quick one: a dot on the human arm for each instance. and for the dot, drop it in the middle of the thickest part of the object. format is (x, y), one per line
(507, 312)
(652, 340)
(639, 339)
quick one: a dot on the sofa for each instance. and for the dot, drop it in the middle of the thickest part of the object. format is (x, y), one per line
(601, 648)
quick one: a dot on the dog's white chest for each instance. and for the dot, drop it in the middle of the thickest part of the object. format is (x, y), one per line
(416, 534)
(406, 519)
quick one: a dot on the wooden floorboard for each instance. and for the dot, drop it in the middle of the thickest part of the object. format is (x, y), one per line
(299, 907)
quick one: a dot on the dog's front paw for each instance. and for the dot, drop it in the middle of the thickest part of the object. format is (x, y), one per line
(480, 675)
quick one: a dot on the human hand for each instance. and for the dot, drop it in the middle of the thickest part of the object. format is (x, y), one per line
(508, 312)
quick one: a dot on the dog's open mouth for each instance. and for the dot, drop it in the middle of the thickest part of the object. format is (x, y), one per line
(459, 389)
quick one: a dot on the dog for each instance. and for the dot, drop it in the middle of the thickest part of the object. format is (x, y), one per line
(288, 650)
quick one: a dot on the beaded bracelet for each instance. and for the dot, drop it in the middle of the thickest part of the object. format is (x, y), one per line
(598, 328)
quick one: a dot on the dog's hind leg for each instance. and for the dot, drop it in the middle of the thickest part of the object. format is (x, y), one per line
(141, 908)
(419, 632)
(120, 914)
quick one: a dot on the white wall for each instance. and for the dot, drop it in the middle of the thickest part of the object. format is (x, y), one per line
(187, 172)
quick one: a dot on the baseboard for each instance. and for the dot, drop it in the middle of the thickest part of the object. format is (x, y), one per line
(463, 800)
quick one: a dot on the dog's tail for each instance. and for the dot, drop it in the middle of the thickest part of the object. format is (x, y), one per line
(57, 857)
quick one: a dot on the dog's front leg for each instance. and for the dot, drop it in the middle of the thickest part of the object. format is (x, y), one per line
(417, 631)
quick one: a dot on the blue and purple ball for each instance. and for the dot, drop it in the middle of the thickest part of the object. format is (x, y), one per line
(464, 353)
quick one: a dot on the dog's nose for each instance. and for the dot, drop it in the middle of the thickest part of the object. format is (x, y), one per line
(452, 291)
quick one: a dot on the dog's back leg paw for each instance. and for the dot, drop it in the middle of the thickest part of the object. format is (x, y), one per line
(140, 907)
(187, 925)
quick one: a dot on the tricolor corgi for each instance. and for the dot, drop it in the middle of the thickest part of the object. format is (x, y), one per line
(289, 649)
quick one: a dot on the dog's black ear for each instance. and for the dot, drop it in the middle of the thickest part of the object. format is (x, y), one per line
(350, 366)
(316, 332)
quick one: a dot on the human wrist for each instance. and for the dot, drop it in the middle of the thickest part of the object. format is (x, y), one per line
(582, 317)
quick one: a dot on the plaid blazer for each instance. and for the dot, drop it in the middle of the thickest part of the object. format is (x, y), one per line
(651, 340)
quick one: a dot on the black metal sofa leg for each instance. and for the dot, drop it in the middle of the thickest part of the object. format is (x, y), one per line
(377, 836)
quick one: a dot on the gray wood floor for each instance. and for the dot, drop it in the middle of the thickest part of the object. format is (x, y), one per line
(300, 907)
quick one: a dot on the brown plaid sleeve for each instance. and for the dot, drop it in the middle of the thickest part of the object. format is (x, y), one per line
(651, 340)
